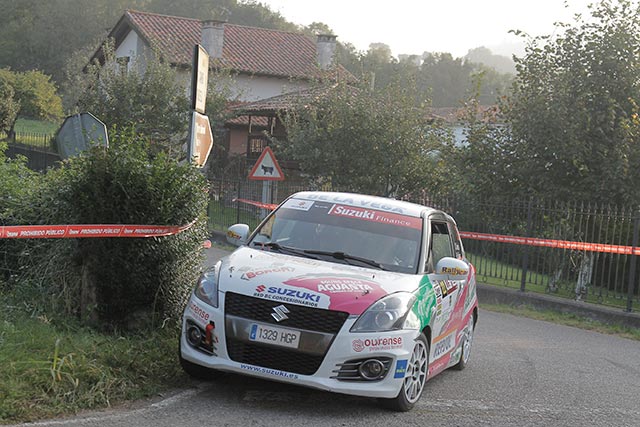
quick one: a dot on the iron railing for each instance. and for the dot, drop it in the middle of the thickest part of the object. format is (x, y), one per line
(598, 277)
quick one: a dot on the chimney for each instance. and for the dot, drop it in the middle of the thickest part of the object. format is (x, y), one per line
(213, 37)
(326, 50)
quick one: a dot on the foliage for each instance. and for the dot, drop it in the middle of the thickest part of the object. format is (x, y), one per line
(148, 97)
(126, 283)
(18, 184)
(36, 126)
(44, 35)
(34, 94)
(52, 368)
(123, 185)
(571, 128)
(376, 143)
(482, 55)
(9, 106)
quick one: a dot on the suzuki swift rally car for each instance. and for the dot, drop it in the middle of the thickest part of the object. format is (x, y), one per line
(342, 292)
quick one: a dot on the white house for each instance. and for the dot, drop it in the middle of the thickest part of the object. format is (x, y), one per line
(264, 63)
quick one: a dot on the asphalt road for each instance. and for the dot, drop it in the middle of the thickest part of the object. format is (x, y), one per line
(523, 372)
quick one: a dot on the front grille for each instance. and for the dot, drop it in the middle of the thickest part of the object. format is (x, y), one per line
(311, 319)
(283, 359)
(274, 358)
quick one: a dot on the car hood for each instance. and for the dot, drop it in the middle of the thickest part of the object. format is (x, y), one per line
(308, 282)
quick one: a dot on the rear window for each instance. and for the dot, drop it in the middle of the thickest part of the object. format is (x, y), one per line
(388, 238)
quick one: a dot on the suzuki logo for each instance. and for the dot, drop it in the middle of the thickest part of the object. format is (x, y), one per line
(280, 313)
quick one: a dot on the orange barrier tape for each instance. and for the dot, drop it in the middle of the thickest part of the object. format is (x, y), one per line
(88, 230)
(269, 206)
(550, 243)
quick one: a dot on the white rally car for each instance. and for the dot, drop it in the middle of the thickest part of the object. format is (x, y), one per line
(342, 292)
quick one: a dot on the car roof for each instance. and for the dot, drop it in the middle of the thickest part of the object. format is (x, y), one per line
(365, 201)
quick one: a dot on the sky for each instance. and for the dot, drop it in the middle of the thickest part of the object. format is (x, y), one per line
(416, 26)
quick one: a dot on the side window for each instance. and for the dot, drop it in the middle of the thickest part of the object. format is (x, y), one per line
(440, 244)
(457, 244)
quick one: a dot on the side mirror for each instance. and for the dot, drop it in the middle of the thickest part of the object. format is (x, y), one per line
(237, 234)
(455, 268)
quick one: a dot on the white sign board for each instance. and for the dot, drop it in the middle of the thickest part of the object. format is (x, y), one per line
(201, 140)
(199, 79)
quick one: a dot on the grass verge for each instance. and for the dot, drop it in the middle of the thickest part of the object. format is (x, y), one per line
(567, 319)
(49, 369)
(36, 126)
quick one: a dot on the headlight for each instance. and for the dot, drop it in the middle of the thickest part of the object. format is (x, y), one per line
(207, 287)
(386, 314)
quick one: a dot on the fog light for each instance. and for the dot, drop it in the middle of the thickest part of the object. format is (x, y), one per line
(194, 336)
(371, 369)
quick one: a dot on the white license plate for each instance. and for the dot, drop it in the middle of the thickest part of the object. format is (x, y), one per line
(276, 336)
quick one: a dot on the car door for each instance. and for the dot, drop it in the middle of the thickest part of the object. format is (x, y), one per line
(443, 242)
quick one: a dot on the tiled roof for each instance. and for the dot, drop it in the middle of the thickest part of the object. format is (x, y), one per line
(246, 49)
(275, 104)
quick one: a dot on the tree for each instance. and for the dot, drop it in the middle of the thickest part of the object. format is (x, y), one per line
(148, 96)
(573, 114)
(377, 143)
(33, 95)
(447, 78)
(483, 55)
(8, 107)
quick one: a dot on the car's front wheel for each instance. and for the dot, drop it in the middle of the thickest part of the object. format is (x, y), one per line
(415, 377)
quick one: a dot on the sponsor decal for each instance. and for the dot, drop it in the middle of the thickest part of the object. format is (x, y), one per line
(443, 346)
(376, 344)
(376, 216)
(252, 274)
(268, 371)
(401, 369)
(299, 205)
(446, 287)
(438, 365)
(291, 295)
(233, 235)
(355, 202)
(198, 312)
(338, 286)
(455, 271)
(349, 294)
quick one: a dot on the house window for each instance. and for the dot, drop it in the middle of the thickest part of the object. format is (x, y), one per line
(256, 145)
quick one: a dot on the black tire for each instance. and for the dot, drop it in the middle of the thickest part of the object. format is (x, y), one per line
(415, 378)
(194, 371)
(466, 345)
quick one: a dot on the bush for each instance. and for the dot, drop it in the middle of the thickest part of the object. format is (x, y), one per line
(118, 282)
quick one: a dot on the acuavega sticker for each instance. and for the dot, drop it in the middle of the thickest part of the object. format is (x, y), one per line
(352, 295)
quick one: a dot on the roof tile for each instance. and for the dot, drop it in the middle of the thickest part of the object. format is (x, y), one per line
(245, 49)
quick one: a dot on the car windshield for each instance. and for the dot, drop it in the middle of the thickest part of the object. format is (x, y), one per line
(344, 234)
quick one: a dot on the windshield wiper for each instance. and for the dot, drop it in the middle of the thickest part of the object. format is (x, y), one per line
(346, 257)
(281, 248)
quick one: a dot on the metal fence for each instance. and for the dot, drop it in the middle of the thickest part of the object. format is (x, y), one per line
(39, 149)
(597, 277)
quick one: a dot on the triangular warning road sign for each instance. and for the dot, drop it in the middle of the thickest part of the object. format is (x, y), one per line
(267, 167)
